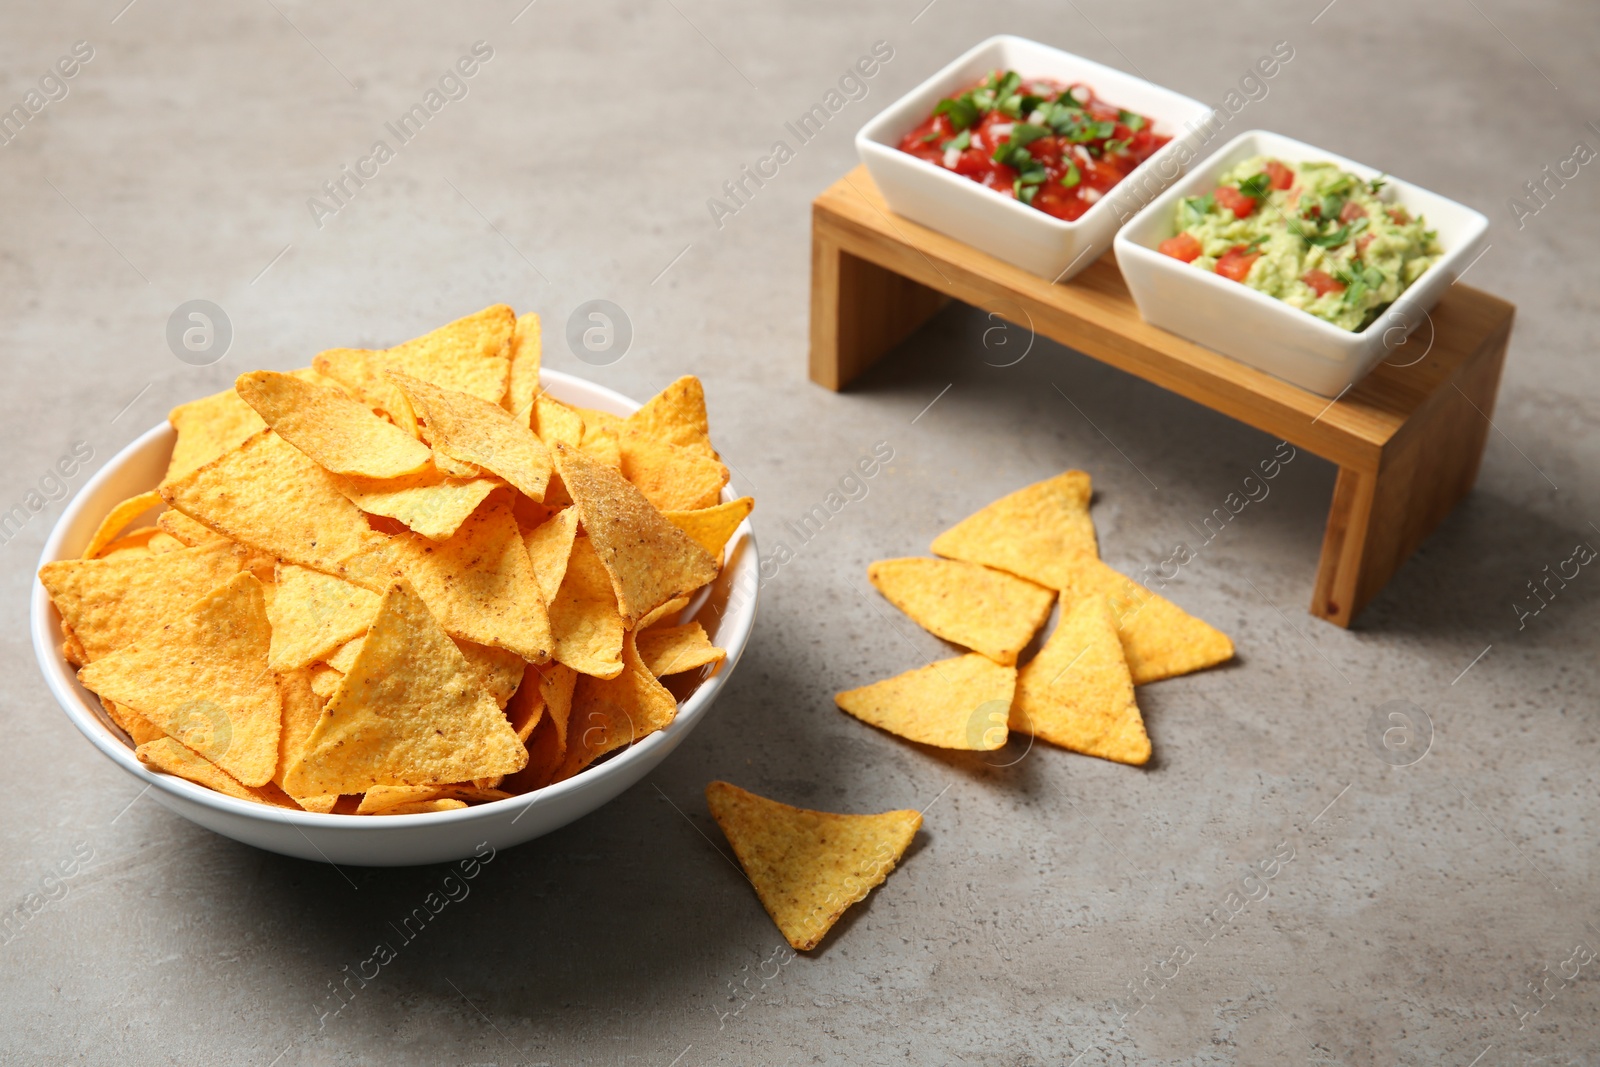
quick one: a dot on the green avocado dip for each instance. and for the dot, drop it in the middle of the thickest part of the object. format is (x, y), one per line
(1316, 237)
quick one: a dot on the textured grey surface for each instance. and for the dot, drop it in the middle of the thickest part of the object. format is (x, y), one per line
(1417, 911)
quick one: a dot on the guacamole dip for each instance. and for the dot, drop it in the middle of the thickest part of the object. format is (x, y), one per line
(1313, 236)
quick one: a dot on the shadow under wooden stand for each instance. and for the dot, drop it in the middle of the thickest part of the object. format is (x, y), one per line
(1407, 439)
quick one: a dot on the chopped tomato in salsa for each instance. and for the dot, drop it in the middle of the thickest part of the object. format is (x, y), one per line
(1054, 146)
(1184, 246)
(1233, 200)
(1282, 177)
(1236, 262)
(1322, 282)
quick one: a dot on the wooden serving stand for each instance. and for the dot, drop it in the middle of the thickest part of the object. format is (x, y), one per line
(1407, 439)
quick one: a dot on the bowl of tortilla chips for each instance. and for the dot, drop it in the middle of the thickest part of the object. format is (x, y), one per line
(404, 603)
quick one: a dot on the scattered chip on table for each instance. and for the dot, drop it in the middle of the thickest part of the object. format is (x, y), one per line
(1160, 639)
(1035, 533)
(961, 702)
(986, 610)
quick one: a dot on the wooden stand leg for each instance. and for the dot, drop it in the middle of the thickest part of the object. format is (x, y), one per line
(858, 312)
(1378, 518)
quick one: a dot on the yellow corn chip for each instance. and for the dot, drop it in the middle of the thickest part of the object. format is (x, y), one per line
(549, 547)
(314, 613)
(675, 649)
(134, 544)
(269, 495)
(380, 798)
(408, 713)
(595, 417)
(554, 422)
(986, 610)
(341, 435)
(673, 477)
(711, 527)
(1077, 692)
(469, 355)
(608, 714)
(479, 584)
(808, 866)
(421, 807)
(167, 755)
(476, 431)
(525, 355)
(202, 677)
(138, 728)
(110, 603)
(670, 610)
(1160, 639)
(71, 647)
(344, 656)
(1035, 533)
(496, 671)
(525, 710)
(118, 519)
(302, 708)
(454, 468)
(429, 503)
(316, 377)
(161, 541)
(583, 616)
(325, 682)
(954, 703)
(185, 529)
(601, 444)
(649, 559)
(208, 428)
(674, 416)
(547, 743)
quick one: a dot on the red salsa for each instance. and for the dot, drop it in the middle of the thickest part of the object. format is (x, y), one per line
(1055, 146)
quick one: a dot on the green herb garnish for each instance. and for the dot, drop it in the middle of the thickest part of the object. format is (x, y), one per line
(960, 142)
(1130, 120)
(1071, 177)
(963, 110)
(1256, 186)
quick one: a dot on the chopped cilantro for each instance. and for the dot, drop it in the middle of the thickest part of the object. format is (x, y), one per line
(963, 110)
(1116, 147)
(1071, 177)
(1256, 186)
(1132, 121)
(960, 142)
(1357, 279)
(1377, 183)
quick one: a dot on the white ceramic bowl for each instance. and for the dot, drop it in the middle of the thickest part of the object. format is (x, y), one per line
(998, 224)
(727, 610)
(1261, 330)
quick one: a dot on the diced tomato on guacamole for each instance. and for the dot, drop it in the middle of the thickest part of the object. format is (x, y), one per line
(1053, 146)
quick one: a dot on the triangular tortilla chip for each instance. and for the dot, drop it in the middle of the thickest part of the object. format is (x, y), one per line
(601, 444)
(110, 603)
(808, 866)
(954, 703)
(673, 477)
(711, 527)
(138, 728)
(649, 559)
(523, 386)
(525, 709)
(554, 422)
(675, 649)
(549, 547)
(165, 754)
(1035, 533)
(429, 503)
(469, 355)
(1160, 639)
(380, 798)
(422, 807)
(341, 435)
(343, 657)
(497, 672)
(117, 520)
(314, 613)
(583, 616)
(674, 416)
(186, 529)
(1077, 692)
(479, 584)
(670, 610)
(986, 610)
(476, 431)
(208, 428)
(408, 713)
(547, 744)
(202, 677)
(161, 541)
(269, 495)
(135, 543)
(608, 714)
(302, 709)
(454, 467)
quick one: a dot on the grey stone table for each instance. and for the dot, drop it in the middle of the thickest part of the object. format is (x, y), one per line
(1427, 900)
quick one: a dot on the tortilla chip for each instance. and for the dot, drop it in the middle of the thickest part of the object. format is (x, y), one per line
(496, 671)
(202, 677)
(302, 708)
(129, 546)
(169, 756)
(117, 520)
(343, 657)
(72, 648)
(138, 728)
(428, 503)
(549, 547)
(1035, 533)
(185, 529)
(316, 377)
(526, 344)
(380, 798)
(208, 428)
(525, 710)
(1160, 639)
(583, 616)
(161, 541)
(476, 431)
(314, 613)
(469, 355)
(547, 743)
(408, 713)
(986, 610)
(954, 703)
(675, 649)
(649, 559)
(269, 495)
(454, 468)
(608, 714)
(341, 435)
(808, 866)
(1077, 692)
(554, 422)
(595, 417)
(479, 584)
(711, 527)
(421, 807)
(110, 603)
(670, 610)
(674, 416)
(601, 444)
(325, 682)
(673, 477)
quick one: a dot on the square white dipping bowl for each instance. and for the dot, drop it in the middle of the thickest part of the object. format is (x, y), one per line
(1261, 330)
(995, 223)
(727, 609)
